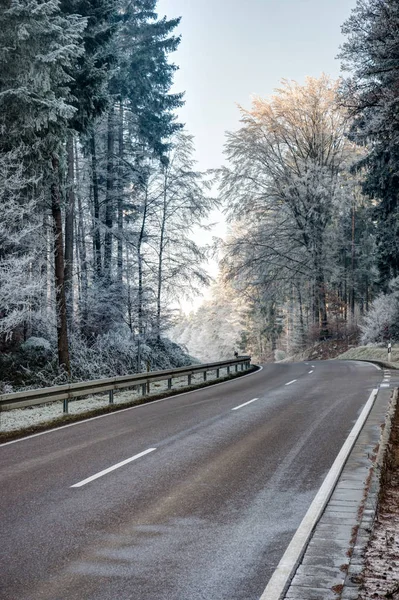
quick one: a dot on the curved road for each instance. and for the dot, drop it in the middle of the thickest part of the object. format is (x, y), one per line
(207, 497)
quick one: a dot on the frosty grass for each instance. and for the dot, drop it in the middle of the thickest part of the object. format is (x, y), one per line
(21, 418)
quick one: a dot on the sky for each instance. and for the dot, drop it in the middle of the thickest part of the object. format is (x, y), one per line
(232, 50)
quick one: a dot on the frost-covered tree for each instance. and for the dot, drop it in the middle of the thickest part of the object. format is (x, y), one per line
(89, 95)
(86, 125)
(37, 46)
(181, 203)
(215, 330)
(21, 286)
(370, 93)
(381, 323)
(284, 182)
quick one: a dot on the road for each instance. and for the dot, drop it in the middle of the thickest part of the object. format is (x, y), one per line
(204, 508)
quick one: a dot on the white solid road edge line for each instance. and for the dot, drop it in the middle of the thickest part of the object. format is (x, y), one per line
(117, 466)
(288, 564)
(245, 404)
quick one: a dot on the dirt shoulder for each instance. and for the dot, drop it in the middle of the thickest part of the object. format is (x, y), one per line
(381, 574)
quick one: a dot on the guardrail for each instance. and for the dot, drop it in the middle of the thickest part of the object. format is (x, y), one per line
(73, 391)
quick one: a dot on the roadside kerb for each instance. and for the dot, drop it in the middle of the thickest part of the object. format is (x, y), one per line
(73, 391)
(375, 361)
(288, 564)
(352, 585)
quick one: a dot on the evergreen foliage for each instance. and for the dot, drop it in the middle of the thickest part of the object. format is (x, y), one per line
(371, 54)
(97, 181)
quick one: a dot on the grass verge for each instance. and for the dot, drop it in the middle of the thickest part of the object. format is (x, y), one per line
(373, 354)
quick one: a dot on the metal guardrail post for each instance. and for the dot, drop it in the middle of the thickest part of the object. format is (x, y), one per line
(74, 391)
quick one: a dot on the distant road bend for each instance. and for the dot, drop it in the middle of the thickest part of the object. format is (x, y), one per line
(192, 498)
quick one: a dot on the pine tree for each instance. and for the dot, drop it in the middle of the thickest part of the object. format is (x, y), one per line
(144, 77)
(37, 47)
(371, 54)
(89, 94)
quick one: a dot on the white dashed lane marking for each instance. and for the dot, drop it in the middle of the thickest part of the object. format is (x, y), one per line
(117, 466)
(245, 404)
(293, 381)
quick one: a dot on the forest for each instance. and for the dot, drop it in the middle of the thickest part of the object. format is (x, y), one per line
(311, 194)
(100, 199)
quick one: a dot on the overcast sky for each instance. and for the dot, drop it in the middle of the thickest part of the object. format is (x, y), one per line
(232, 49)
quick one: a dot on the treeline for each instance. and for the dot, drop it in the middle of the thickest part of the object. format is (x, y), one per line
(312, 188)
(98, 189)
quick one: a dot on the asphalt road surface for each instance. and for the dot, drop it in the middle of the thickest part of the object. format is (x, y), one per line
(207, 497)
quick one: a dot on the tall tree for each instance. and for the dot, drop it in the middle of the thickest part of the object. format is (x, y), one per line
(371, 54)
(38, 46)
(89, 94)
(181, 205)
(286, 162)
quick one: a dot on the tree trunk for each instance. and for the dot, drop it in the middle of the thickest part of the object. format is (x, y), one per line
(96, 208)
(322, 304)
(345, 291)
(109, 198)
(129, 295)
(140, 294)
(82, 246)
(140, 267)
(44, 266)
(160, 258)
(62, 331)
(120, 196)
(69, 226)
(78, 263)
(352, 292)
(272, 321)
(301, 320)
(320, 288)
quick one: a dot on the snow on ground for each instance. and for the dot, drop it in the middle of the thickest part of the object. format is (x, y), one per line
(21, 418)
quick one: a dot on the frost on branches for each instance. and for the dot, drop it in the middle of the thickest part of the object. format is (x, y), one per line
(381, 323)
(99, 193)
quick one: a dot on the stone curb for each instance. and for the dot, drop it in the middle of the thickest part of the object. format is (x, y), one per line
(286, 574)
(353, 580)
(332, 563)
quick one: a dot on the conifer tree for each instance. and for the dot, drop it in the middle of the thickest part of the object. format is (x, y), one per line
(37, 47)
(371, 54)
